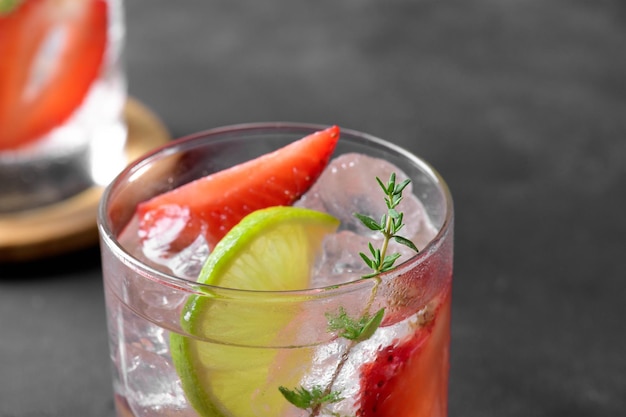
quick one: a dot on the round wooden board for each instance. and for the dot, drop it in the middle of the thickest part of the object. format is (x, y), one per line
(71, 224)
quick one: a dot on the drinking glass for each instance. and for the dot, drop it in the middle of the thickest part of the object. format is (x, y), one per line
(62, 92)
(260, 341)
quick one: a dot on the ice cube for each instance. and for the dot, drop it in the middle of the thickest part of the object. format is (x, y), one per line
(167, 245)
(340, 261)
(164, 226)
(188, 262)
(174, 239)
(150, 382)
(348, 186)
(417, 224)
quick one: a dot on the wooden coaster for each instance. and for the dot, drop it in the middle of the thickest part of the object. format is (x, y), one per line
(71, 224)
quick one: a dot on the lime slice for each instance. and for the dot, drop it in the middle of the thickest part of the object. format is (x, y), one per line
(226, 361)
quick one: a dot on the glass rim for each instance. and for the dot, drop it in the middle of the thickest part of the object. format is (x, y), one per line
(107, 236)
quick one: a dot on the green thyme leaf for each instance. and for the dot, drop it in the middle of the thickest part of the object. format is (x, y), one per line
(343, 324)
(7, 6)
(369, 222)
(406, 242)
(371, 326)
(298, 397)
(309, 399)
(356, 329)
(399, 188)
(368, 261)
(389, 261)
(383, 186)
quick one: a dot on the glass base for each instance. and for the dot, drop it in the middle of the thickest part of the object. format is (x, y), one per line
(88, 150)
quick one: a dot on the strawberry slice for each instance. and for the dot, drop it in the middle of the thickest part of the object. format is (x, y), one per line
(222, 199)
(410, 378)
(52, 51)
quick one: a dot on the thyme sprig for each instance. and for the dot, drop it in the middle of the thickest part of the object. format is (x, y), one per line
(356, 330)
(389, 226)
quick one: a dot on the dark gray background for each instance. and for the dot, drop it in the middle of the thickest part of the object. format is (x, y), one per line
(521, 105)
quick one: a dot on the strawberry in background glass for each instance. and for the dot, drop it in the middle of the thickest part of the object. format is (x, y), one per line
(52, 52)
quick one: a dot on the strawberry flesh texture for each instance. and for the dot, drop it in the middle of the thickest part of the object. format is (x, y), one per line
(220, 200)
(410, 378)
(39, 92)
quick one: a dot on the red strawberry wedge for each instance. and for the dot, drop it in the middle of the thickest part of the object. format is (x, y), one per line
(51, 52)
(220, 200)
(409, 378)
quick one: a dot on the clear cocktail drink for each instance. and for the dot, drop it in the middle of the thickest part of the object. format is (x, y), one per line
(186, 347)
(62, 91)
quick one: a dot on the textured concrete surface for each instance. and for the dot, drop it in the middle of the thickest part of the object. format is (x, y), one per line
(521, 105)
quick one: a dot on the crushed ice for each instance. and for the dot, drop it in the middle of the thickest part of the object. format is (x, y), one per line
(347, 186)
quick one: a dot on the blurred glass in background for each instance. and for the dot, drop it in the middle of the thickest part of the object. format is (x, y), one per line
(62, 94)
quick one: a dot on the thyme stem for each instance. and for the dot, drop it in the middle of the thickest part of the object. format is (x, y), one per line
(359, 330)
